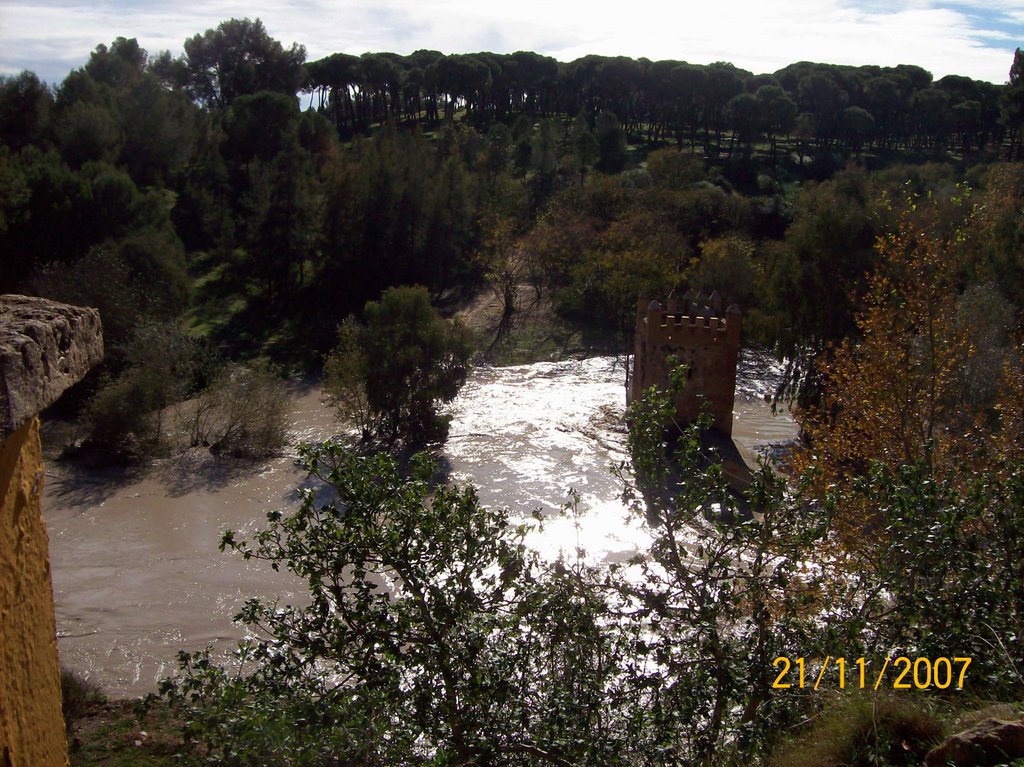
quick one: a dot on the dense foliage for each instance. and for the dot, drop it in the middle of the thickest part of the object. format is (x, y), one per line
(434, 636)
(832, 107)
(159, 188)
(869, 220)
(389, 377)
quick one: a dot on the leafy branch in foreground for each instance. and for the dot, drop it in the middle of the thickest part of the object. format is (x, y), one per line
(722, 600)
(432, 635)
(721, 592)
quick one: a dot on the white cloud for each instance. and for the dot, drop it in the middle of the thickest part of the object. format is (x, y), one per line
(52, 37)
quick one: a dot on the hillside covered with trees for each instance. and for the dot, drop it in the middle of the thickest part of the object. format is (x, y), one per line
(158, 188)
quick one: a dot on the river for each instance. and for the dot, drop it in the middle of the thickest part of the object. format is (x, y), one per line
(138, 576)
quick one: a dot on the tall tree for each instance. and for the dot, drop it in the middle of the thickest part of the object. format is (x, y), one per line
(585, 149)
(778, 114)
(746, 117)
(892, 396)
(25, 108)
(721, 83)
(159, 128)
(823, 264)
(822, 97)
(118, 66)
(413, 360)
(1013, 105)
(238, 58)
(611, 142)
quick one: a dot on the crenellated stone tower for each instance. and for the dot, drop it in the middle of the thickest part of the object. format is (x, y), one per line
(695, 330)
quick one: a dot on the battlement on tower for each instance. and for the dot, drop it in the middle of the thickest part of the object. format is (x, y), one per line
(693, 329)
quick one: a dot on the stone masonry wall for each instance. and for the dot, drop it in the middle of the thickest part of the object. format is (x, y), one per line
(698, 334)
(45, 347)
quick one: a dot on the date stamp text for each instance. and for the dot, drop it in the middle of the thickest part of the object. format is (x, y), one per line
(901, 673)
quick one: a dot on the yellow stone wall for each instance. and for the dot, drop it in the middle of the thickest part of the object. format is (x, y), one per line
(31, 723)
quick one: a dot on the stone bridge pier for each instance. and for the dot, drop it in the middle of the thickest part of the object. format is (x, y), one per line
(45, 347)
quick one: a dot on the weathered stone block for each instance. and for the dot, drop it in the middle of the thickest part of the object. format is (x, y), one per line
(990, 742)
(45, 347)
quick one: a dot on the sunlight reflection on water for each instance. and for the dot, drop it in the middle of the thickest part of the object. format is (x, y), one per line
(137, 574)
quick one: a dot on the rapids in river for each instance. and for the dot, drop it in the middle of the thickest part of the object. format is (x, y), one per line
(138, 576)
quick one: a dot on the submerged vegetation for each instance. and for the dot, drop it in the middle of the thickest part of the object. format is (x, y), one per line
(389, 378)
(869, 221)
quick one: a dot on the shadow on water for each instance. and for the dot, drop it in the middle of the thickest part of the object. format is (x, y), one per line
(80, 487)
(325, 492)
(81, 484)
(199, 471)
(141, 578)
(443, 475)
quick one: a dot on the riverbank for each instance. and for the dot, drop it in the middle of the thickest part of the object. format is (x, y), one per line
(850, 728)
(534, 332)
(136, 568)
(126, 733)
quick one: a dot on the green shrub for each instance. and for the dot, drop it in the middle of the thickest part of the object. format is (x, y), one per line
(243, 412)
(390, 376)
(118, 418)
(161, 366)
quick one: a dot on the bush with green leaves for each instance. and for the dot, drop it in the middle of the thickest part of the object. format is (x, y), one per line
(718, 596)
(345, 370)
(944, 577)
(161, 365)
(391, 375)
(431, 635)
(237, 409)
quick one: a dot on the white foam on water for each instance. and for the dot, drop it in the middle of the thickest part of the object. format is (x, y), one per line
(138, 576)
(526, 435)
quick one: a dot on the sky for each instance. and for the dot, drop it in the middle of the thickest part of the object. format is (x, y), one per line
(965, 37)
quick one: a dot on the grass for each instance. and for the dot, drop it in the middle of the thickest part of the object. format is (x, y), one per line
(856, 730)
(861, 730)
(126, 733)
(231, 311)
(853, 729)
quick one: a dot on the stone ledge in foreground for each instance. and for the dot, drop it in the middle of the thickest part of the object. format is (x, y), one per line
(45, 348)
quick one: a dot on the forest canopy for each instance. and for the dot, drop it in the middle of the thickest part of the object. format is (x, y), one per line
(196, 190)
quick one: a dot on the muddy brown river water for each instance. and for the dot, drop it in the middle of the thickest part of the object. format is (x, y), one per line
(136, 569)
